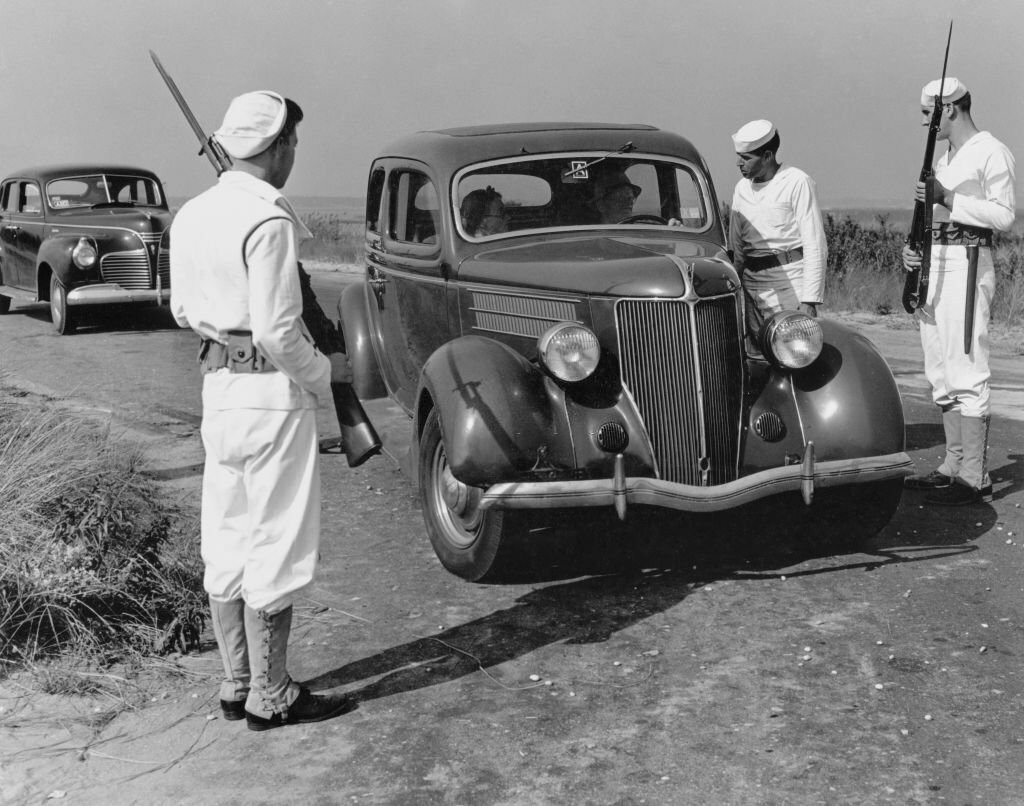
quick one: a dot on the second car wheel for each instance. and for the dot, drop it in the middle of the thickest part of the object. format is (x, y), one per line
(60, 311)
(5, 304)
(469, 542)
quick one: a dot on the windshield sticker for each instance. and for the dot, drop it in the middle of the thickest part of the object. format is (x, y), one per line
(578, 170)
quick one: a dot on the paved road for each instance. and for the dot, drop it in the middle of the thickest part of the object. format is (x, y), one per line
(731, 668)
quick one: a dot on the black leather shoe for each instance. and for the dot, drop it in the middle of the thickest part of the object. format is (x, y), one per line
(306, 708)
(232, 710)
(957, 494)
(927, 481)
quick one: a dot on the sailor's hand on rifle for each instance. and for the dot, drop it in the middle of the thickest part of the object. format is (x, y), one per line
(939, 194)
(341, 368)
(911, 259)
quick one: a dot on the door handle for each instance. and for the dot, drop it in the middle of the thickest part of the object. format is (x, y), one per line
(377, 284)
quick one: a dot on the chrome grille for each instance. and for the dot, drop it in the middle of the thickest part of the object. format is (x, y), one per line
(683, 364)
(163, 266)
(127, 269)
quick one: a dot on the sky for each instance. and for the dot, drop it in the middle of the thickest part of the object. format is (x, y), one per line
(841, 79)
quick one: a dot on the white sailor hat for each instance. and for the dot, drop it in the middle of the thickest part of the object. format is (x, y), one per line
(253, 121)
(753, 135)
(953, 89)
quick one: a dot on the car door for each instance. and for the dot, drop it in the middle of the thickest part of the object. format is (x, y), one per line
(21, 232)
(408, 310)
(11, 258)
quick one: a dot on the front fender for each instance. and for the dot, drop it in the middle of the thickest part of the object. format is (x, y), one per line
(847, 403)
(55, 253)
(355, 324)
(848, 399)
(497, 418)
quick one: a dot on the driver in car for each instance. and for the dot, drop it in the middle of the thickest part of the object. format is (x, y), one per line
(614, 196)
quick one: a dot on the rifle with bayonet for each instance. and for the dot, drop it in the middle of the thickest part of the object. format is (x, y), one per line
(915, 287)
(359, 439)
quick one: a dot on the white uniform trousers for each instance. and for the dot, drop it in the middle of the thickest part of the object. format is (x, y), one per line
(958, 379)
(769, 291)
(261, 505)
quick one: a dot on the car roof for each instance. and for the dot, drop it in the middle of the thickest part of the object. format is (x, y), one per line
(450, 149)
(48, 172)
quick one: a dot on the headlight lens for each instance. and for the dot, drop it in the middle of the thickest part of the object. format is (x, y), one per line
(84, 254)
(569, 351)
(793, 340)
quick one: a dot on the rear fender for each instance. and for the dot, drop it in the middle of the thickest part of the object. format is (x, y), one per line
(367, 382)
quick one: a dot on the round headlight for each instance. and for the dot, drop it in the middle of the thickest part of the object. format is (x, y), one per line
(84, 254)
(569, 351)
(793, 340)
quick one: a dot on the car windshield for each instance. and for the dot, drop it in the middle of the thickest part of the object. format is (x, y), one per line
(577, 190)
(92, 189)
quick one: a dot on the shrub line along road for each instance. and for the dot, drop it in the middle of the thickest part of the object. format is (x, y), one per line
(728, 670)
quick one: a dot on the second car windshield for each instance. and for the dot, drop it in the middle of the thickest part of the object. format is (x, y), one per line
(575, 191)
(93, 189)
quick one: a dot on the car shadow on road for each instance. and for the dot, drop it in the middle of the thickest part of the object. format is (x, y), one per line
(632, 573)
(112, 319)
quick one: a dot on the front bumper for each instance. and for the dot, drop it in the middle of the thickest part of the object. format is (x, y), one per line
(112, 293)
(620, 491)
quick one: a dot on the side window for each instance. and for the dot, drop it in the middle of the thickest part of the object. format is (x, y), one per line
(692, 212)
(374, 193)
(32, 200)
(5, 196)
(412, 208)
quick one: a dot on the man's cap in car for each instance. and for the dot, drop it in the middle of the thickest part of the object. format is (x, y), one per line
(606, 182)
(253, 121)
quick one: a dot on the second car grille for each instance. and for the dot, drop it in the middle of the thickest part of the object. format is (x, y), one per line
(683, 364)
(127, 269)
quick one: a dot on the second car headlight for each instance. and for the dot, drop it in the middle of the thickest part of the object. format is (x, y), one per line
(84, 254)
(793, 340)
(569, 351)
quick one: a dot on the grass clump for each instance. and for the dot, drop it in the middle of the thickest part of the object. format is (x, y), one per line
(91, 563)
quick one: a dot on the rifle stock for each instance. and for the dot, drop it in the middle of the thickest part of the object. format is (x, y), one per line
(915, 286)
(359, 439)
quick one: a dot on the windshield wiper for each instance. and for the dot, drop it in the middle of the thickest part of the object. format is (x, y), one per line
(625, 148)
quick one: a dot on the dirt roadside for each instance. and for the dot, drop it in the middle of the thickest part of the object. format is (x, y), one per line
(723, 671)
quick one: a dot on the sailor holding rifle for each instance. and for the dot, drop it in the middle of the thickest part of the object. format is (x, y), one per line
(234, 282)
(973, 193)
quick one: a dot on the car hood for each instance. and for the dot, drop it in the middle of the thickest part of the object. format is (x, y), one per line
(606, 266)
(141, 219)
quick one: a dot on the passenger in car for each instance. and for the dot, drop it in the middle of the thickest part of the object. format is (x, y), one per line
(614, 196)
(483, 213)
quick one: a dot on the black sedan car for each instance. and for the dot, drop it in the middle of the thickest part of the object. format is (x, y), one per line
(78, 235)
(554, 307)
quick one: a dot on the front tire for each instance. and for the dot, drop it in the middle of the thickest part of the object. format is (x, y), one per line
(5, 304)
(470, 542)
(60, 311)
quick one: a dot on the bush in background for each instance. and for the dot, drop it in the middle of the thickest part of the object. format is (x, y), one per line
(91, 564)
(335, 238)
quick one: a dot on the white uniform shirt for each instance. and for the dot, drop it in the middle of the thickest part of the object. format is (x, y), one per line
(233, 267)
(781, 214)
(981, 173)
